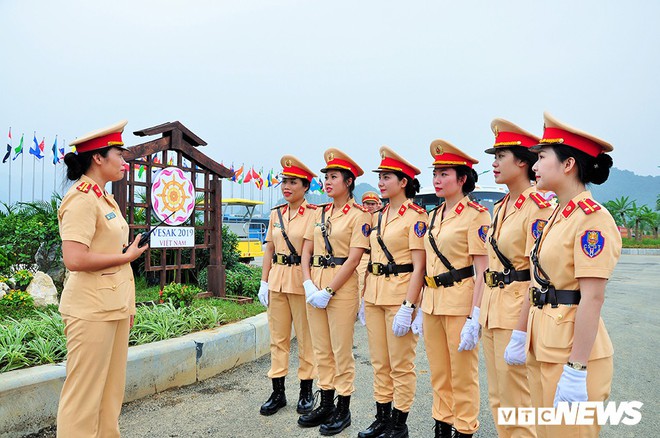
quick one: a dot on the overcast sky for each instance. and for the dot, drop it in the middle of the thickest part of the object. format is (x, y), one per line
(258, 79)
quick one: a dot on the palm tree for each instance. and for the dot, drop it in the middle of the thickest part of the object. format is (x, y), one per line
(620, 209)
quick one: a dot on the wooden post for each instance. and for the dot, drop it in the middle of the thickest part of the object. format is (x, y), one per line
(216, 270)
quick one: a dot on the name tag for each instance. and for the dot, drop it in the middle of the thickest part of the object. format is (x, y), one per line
(110, 215)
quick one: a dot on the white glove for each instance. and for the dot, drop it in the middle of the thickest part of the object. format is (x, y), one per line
(360, 315)
(515, 353)
(471, 332)
(402, 320)
(310, 288)
(263, 293)
(417, 327)
(572, 386)
(319, 299)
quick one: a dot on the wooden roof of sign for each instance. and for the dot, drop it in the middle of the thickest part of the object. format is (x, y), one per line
(175, 136)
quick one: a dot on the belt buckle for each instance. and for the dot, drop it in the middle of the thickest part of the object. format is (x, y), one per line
(376, 268)
(490, 278)
(281, 259)
(316, 261)
(430, 282)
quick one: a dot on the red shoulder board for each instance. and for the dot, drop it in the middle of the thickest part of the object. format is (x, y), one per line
(278, 206)
(327, 207)
(312, 206)
(84, 187)
(417, 208)
(539, 200)
(477, 206)
(588, 206)
(360, 207)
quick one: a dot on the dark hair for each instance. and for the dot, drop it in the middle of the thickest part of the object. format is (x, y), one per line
(304, 181)
(346, 174)
(471, 178)
(78, 164)
(413, 186)
(591, 170)
(526, 156)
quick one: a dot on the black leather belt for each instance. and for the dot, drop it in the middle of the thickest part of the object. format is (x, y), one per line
(539, 297)
(388, 269)
(286, 259)
(508, 276)
(319, 261)
(447, 279)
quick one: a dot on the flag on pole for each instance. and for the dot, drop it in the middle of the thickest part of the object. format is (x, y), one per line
(269, 181)
(42, 145)
(56, 158)
(8, 154)
(249, 176)
(61, 155)
(19, 149)
(314, 185)
(233, 173)
(259, 181)
(238, 174)
(36, 151)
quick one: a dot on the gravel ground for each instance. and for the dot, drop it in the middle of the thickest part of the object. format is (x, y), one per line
(228, 404)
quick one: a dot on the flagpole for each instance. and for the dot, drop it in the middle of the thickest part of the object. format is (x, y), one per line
(11, 144)
(22, 162)
(43, 176)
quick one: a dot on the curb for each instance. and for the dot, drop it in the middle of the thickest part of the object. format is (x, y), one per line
(640, 251)
(29, 397)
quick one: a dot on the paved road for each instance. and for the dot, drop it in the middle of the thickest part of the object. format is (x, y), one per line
(228, 405)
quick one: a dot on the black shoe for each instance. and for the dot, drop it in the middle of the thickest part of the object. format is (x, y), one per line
(306, 398)
(397, 428)
(340, 420)
(322, 413)
(277, 399)
(443, 430)
(458, 434)
(383, 414)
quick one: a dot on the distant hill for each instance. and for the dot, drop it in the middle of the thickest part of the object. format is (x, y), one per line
(643, 189)
(322, 198)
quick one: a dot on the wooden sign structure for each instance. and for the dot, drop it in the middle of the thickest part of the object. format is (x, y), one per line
(134, 192)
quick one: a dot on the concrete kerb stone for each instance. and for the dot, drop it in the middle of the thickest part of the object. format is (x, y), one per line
(640, 251)
(29, 397)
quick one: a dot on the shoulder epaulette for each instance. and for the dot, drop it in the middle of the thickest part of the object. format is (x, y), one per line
(278, 206)
(360, 207)
(588, 206)
(312, 206)
(500, 201)
(539, 200)
(477, 206)
(416, 207)
(84, 187)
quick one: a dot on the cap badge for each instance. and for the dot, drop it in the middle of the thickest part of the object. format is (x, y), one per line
(497, 131)
(382, 154)
(438, 150)
(288, 163)
(331, 156)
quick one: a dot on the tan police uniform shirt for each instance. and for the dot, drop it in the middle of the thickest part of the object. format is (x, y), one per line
(402, 231)
(581, 241)
(349, 227)
(459, 236)
(89, 216)
(288, 278)
(516, 230)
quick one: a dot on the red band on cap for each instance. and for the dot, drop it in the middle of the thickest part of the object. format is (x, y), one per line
(113, 139)
(561, 136)
(338, 163)
(370, 197)
(392, 164)
(297, 172)
(504, 139)
(448, 159)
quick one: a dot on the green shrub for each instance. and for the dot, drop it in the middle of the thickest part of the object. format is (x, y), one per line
(17, 298)
(243, 280)
(180, 295)
(203, 279)
(22, 278)
(230, 254)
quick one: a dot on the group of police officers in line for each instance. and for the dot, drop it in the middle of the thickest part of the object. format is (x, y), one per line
(529, 283)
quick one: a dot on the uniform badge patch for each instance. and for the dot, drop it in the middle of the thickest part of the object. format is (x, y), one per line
(366, 230)
(592, 243)
(420, 229)
(110, 215)
(537, 227)
(483, 231)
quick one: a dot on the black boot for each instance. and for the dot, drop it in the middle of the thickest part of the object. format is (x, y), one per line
(306, 398)
(442, 429)
(341, 419)
(397, 428)
(383, 415)
(277, 399)
(322, 413)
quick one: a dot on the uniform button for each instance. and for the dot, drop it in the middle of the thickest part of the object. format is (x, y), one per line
(114, 286)
(560, 316)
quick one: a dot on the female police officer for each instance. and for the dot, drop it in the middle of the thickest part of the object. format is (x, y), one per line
(518, 219)
(455, 252)
(570, 353)
(394, 281)
(281, 286)
(334, 242)
(98, 300)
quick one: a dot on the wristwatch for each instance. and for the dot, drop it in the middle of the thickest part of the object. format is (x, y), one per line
(577, 366)
(407, 303)
(330, 290)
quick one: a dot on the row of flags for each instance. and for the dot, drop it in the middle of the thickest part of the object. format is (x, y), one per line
(262, 179)
(37, 149)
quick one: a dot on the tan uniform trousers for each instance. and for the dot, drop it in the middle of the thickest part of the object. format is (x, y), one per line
(93, 391)
(454, 374)
(332, 337)
(392, 357)
(543, 379)
(283, 309)
(507, 384)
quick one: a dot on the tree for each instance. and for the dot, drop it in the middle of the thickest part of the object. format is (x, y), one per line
(620, 209)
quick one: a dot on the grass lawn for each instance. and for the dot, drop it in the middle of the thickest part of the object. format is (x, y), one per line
(644, 243)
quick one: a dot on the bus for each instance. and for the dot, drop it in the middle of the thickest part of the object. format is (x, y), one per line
(237, 215)
(484, 195)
